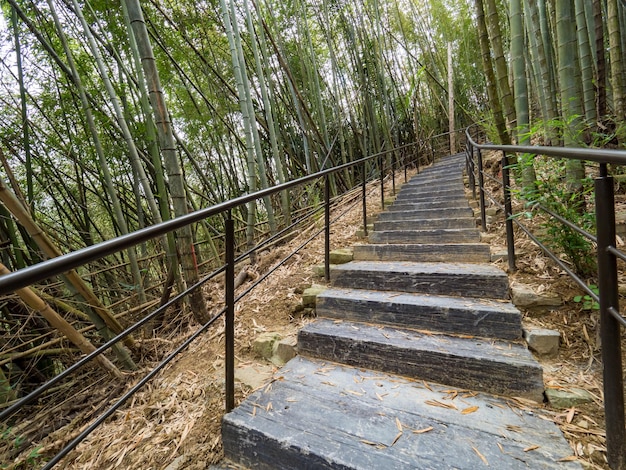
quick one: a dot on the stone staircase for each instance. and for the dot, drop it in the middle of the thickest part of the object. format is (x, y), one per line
(419, 304)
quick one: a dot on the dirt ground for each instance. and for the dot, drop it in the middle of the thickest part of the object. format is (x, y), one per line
(174, 421)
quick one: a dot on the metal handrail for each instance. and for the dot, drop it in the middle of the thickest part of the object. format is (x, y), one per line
(55, 266)
(607, 254)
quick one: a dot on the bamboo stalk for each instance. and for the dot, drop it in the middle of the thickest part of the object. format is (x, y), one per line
(57, 321)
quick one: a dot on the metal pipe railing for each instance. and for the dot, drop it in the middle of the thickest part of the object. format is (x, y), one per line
(607, 255)
(72, 260)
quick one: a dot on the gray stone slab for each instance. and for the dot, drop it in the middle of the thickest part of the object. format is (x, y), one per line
(459, 279)
(422, 196)
(475, 364)
(441, 205)
(456, 315)
(425, 214)
(452, 235)
(456, 222)
(464, 252)
(326, 416)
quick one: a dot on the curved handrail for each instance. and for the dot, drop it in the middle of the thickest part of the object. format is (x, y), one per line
(55, 266)
(607, 256)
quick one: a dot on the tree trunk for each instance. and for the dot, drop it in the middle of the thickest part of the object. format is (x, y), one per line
(520, 89)
(168, 148)
(492, 89)
(493, 27)
(615, 57)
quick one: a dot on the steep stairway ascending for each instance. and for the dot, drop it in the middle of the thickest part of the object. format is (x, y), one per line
(421, 302)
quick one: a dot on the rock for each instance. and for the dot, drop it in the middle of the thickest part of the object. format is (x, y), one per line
(524, 296)
(543, 341)
(310, 295)
(284, 351)
(568, 398)
(263, 345)
(254, 376)
(492, 211)
(341, 256)
(486, 237)
(361, 233)
(177, 463)
(318, 270)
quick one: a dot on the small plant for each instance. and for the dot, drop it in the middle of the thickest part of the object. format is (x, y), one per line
(588, 303)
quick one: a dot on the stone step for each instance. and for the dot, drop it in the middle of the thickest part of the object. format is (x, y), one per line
(501, 368)
(431, 201)
(452, 235)
(452, 171)
(416, 214)
(460, 222)
(443, 314)
(417, 206)
(449, 193)
(464, 252)
(327, 416)
(459, 279)
(429, 196)
(419, 184)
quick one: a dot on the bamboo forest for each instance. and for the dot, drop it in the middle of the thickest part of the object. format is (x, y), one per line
(117, 116)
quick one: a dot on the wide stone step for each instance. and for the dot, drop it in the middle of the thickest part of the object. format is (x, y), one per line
(443, 172)
(428, 202)
(455, 315)
(463, 235)
(432, 192)
(418, 206)
(326, 416)
(417, 184)
(431, 197)
(465, 252)
(415, 214)
(460, 222)
(502, 368)
(460, 279)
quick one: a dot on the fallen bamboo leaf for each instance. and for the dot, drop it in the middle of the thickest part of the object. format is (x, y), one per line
(500, 447)
(358, 394)
(528, 449)
(397, 437)
(469, 410)
(569, 458)
(369, 443)
(398, 425)
(449, 406)
(570, 415)
(269, 407)
(482, 457)
(422, 431)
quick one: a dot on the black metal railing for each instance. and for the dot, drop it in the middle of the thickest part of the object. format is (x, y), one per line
(607, 255)
(398, 159)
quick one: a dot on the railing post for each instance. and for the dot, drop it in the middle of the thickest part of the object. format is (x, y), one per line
(508, 212)
(609, 327)
(469, 152)
(405, 166)
(229, 295)
(381, 164)
(417, 158)
(481, 187)
(393, 173)
(327, 227)
(364, 198)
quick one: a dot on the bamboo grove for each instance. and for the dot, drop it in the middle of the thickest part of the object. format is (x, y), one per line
(118, 115)
(554, 72)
